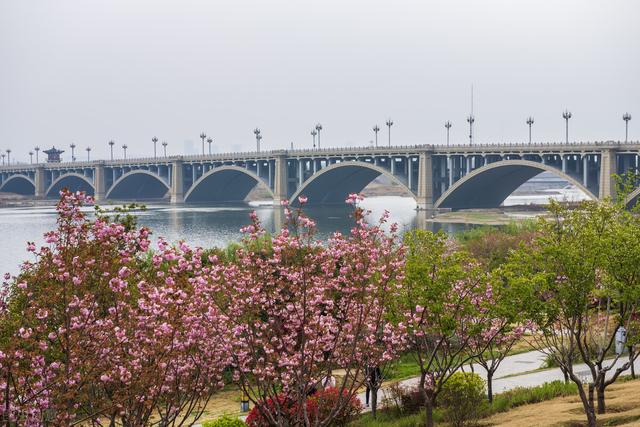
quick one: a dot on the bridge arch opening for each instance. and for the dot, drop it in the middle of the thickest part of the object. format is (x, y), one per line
(138, 185)
(72, 182)
(18, 184)
(224, 184)
(334, 183)
(489, 186)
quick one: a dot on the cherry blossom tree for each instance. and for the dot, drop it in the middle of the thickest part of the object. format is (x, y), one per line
(98, 330)
(300, 310)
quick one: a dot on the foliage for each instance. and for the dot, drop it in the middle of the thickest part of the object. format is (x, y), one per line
(302, 308)
(89, 335)
(463, 398)
(225, 421)
(526, 395)
(578, 282)
(446, 303)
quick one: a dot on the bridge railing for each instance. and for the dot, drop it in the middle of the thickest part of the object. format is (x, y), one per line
(360, 150)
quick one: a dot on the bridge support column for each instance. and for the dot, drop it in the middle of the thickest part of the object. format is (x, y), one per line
(608, 167)
(40, 181)
(177, 182)
(425, 182)
(450, 171)
(410, 172)
(564, 163)
(281, 180)
(585, 170)
(98, 183)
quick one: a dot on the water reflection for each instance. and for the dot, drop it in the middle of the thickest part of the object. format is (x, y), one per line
(208, 226)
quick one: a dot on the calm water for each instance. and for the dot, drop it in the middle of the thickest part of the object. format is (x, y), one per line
(204, 226)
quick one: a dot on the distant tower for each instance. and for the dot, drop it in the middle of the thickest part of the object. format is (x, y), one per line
(566, 116)
(53, 155)
(530, 122)
(447, 125)
(626, 117)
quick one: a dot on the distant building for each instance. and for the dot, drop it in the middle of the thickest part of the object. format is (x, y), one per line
(53, 155)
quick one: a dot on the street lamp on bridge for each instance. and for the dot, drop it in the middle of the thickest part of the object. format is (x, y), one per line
(8, 156)
(626, 117)
(124, 147)
(318, 128)
(376, 129)
(31, 157)
(313, 134)
(447, 125)
(155, 141)
(209, 141)
(471, 119)
(2, 155)
(389, 124)
(37, 150)
(73, 150)
(256, 131)
(202, 137)
(111, 147)
(164, 146)
(530, 122)
(88, 154)
(566, 116)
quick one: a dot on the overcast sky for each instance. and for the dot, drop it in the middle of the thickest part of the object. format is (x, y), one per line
(88, 71)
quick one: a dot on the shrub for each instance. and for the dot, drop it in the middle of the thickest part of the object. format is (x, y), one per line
(323, 402)
(225, 421)
(523, 396)
(463, 398)
(319, 407)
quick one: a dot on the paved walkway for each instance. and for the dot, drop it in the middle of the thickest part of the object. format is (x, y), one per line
(512, 373)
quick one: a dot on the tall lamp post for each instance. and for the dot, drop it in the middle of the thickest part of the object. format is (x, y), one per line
(209, 141)
(313, 134)
(318, 128)
(256, 132)
(37, 150)
(88, 154)
(31, 157)
(73, 151)
(202, 137)
(155, 141)
(164, 146)
(8, 156)
(2, 155)
(111, 148)
(566, 116)
(389, 123)
(376, 129)
(470, 120)
(124, 148)
(530, 122)
(626, 117)
(447, 125)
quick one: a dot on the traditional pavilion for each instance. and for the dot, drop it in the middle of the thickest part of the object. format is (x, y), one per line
(53, 155)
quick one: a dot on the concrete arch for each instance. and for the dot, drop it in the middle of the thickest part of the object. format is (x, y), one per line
(490, 185)
(73, 182)
(19, 184)
(138, 185)
(223, 184)
(335, 182)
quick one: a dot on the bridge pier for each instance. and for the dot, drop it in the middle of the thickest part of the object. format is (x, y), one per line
(281, 180)
(608, 167)
(41, 184)
(99, 183)
(424, 197)
(177, 182)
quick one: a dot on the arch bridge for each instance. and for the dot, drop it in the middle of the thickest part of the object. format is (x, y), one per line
(437, 176)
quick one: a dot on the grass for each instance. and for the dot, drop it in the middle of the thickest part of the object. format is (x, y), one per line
(502, 402)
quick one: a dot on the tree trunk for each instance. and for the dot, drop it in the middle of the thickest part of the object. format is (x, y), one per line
(565, 373)
(490, 385)
(429, 408)
(374, 401)
(600, 393)
(633, 369)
